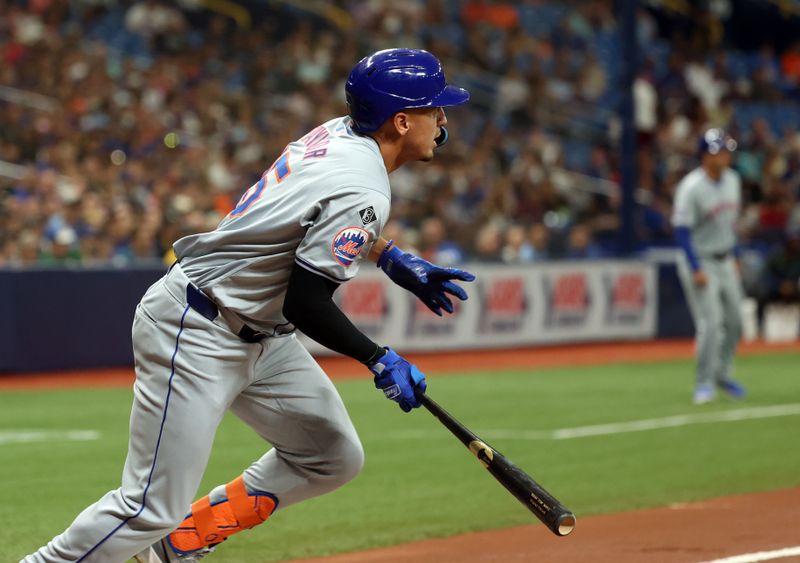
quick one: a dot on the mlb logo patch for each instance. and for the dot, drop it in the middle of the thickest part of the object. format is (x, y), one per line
(368, 215)
(347, 244)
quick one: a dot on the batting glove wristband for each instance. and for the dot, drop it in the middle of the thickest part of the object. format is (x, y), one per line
(398, 379)
(429, 282)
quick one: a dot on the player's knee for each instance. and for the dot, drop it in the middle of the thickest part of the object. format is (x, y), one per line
(342, 455)
(349, 459)
(343, 460)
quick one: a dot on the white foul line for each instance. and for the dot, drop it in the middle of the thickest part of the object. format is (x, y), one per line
(29, 436)
(759, 556)
(645, 424)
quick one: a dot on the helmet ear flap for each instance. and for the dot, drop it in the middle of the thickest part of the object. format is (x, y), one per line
(442, 138)
(358, 111)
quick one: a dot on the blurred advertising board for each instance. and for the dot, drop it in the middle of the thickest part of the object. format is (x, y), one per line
(511, 306)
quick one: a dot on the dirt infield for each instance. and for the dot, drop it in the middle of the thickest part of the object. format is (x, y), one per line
(688, 533)
(440, 363)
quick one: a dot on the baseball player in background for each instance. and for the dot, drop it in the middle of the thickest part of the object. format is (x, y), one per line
(217, 331)
(707, 206)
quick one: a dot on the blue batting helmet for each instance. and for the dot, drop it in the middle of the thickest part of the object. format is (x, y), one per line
(715, 140)
(391, 80)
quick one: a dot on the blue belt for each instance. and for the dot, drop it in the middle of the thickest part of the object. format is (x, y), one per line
(203, 304)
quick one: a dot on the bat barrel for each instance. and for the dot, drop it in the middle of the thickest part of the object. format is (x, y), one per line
(558, 518)
(554, 515)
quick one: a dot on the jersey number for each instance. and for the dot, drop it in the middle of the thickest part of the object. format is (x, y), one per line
(282, 170)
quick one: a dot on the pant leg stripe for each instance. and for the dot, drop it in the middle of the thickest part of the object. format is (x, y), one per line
(158, 443)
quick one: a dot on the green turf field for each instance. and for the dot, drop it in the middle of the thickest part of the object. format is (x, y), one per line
(419, 482)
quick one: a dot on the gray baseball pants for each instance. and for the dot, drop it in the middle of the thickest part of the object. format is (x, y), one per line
(189, 372)
(716, 309)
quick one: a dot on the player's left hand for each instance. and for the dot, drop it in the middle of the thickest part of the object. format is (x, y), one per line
(429, 282)
(397, 379)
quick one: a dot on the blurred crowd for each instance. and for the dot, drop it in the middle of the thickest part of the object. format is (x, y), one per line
(126, 125)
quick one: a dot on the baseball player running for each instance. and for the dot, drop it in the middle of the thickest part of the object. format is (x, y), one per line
(707, 205)
(217, 331)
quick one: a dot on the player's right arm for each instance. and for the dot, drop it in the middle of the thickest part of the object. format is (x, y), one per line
(339, 231)
(310, 307)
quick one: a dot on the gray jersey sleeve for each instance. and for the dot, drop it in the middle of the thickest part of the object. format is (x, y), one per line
(340, 232)
(685, 213)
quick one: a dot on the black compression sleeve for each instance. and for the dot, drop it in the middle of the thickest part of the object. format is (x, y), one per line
(309, 306)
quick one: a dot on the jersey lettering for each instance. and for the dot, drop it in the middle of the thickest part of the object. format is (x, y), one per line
(720, 208)
(316, 143)
(281, 167)
(253, 194)
(249, 198)
(315, 154)
(316, 137)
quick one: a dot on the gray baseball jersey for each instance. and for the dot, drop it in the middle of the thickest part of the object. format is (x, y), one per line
(321, 204)
(709, 209)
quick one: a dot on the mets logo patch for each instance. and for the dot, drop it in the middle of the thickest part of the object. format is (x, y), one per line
(347, 244)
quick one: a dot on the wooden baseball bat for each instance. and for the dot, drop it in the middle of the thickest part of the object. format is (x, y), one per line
(531, 494)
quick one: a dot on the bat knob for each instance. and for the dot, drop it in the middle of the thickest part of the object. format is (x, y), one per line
(565, 523)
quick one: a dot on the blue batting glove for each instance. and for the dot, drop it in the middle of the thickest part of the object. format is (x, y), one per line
(429, 282)
(397, 378)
